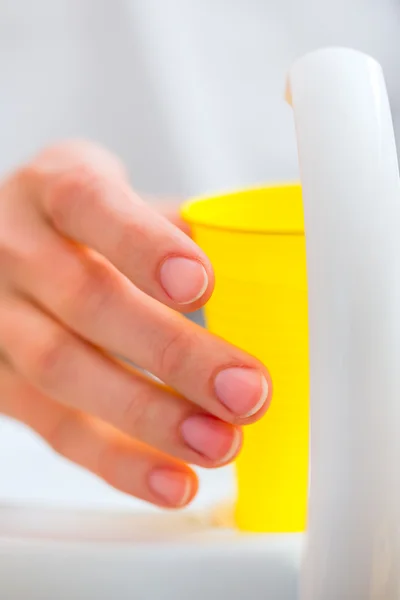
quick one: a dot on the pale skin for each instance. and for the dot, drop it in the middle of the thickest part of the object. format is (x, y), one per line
(89, 271)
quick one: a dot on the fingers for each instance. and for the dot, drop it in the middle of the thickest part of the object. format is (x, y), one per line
(111, 283)
(66, 369)
(84, 292)
(93, 299)
(123, 463)
(97, 208)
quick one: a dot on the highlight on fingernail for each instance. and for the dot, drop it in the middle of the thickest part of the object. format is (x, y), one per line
(242, 390)
(211, 438)
(262, 400)
(185, 280)
(174, 488)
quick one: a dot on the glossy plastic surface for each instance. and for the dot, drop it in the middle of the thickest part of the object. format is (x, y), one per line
(351, 197)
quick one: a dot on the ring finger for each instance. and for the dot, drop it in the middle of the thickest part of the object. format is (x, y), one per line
(73, 372)
(122, 462)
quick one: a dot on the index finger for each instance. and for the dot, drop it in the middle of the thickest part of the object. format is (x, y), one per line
(98, 208)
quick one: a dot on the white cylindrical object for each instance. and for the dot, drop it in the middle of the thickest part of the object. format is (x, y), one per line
(351, 195)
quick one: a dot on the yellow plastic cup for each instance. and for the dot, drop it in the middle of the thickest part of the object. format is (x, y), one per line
(255, 241)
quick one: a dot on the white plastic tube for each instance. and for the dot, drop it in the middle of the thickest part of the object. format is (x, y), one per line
(351, 193)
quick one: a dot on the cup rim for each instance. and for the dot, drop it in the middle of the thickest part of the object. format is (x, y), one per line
(186, 211)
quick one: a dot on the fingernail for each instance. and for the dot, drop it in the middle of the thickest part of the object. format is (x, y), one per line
(243, 391)
(212, 438)
(183, 279)
(172, 487)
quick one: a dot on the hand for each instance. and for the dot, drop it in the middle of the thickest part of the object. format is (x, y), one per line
(89, 272)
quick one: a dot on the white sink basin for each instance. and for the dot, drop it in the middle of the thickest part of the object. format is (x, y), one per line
(65, 535)
(58, 554)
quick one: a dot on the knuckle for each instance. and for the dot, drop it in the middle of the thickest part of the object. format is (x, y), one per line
(8, 254)
(132, 240)
(27, 176)
(172, 355)
(68, 191)
(90, 292)
(59, 431)
(50, 360)
(107, 461)
(137, 415)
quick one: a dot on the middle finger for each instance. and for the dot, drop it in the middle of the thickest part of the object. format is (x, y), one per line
(93, 299)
